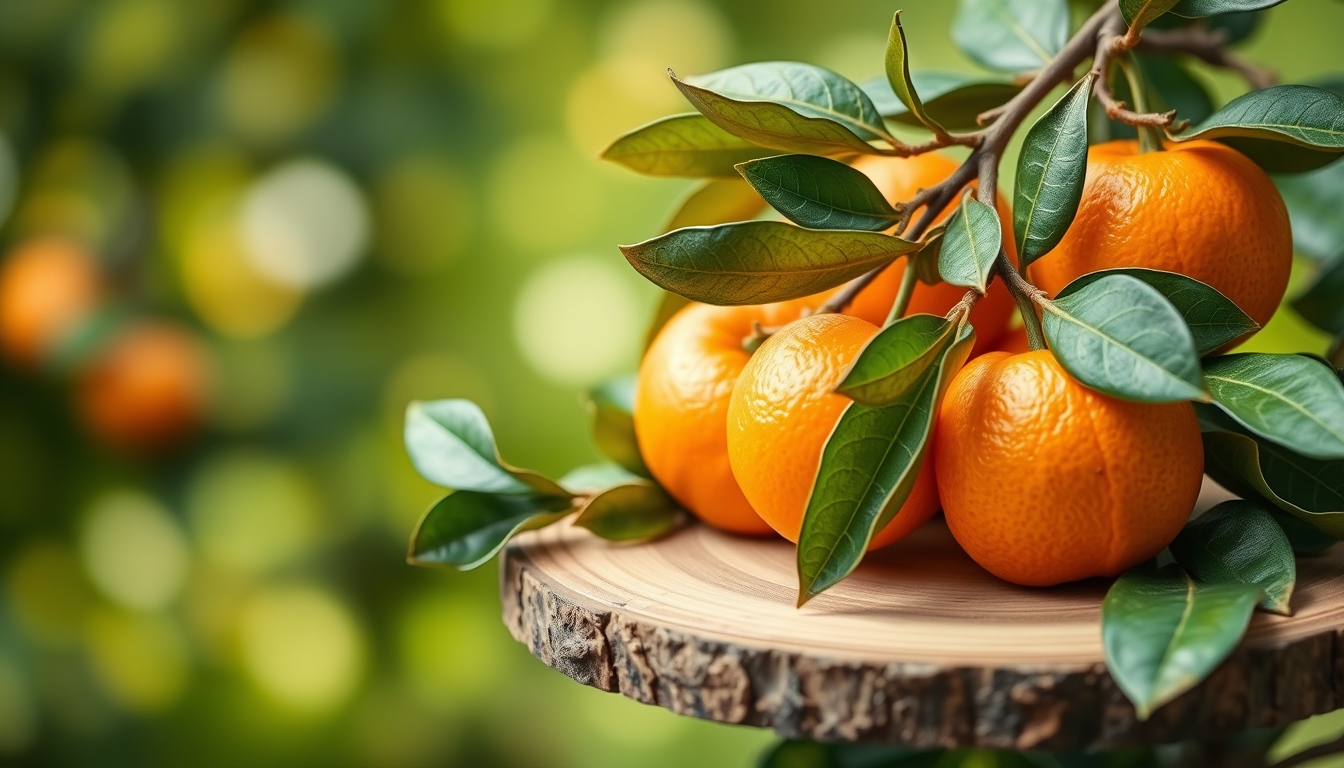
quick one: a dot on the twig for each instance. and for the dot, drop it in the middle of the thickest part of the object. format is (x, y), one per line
(1307, 755)
(1112, 42)
(1209, 46)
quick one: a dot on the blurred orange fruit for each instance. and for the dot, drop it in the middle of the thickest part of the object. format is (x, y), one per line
(1045, 481)
(147, 389)
(46, 288)
(782, 412)
(1013, 341)
(1200, 208)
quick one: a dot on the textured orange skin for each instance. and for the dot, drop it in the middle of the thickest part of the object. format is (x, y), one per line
(782, 412)
(1045, 481)
(899, 178)
(681, 406)
(46, 288)
(1200, 208)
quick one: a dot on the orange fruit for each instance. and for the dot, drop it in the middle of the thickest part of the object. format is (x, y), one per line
(782, 412)
(1200, 208)
(1045, 481)
(46, 288)
(147, 389)
(681, 406)
(899, 178)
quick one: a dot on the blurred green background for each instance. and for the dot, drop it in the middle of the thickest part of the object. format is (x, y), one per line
(351, 204)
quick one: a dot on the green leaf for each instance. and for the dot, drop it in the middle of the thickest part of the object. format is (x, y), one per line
(1011, 35)
(898, 75)
(466, 528)
(1195, 9)
(820, 193)
(591, 478)
(610, 407)
(682, 145)
(633, 511)
(1050, 174)
(1310, 490)
(925, 260)
(1287, 128)
(1335, 354)
(1163, 632)
(451, 445)
(1303, 537)
(1239, 542)
(971, 245)
(1140, 13)
(1292, 400)
(868, 468)
(953, 99)
(757, 262)
(896, 359)
(1312, 200)
(1212, 318)
(1322, 304)
(1120, 336)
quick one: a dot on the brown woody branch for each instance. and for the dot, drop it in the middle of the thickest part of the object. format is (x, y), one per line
(1207, 45)
(1113, 40)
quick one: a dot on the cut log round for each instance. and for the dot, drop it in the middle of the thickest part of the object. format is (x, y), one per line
(918, 647)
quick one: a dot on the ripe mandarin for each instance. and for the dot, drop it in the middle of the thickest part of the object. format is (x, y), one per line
(46, 288)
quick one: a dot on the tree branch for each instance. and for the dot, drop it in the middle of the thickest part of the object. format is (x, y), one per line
(1113, 41)
(1209, 46)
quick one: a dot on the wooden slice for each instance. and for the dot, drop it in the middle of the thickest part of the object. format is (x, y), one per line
(918, 647)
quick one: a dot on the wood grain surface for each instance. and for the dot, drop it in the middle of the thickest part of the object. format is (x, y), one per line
(919, 646)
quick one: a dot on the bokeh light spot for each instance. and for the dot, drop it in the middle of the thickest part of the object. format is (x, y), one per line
(225, 289)
(452, 647)
(133, 549)
(302, 646)
(543, 195)
(279, 77)
(500, 24)
(640, 41)
(579, 320)
(251, 511)
(132, 44)
(142, 661)
(425, 214)
(47, 592)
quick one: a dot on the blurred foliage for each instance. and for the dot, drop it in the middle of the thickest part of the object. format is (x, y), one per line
(348, 204)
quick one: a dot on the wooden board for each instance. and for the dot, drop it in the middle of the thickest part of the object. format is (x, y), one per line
(919, 646)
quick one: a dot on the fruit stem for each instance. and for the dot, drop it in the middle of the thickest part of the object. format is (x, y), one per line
(903, 294)
(1149, 138)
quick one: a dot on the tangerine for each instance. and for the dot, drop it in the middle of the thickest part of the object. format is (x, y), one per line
(1199, 208)
(783, 411)
(47, 287)
(1045, 481)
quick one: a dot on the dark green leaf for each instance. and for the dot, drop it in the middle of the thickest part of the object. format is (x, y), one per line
(898, 75)
(1322, 304)
(467, 528)
(1212, 318)
(1120, 336)
(610, 407)
(925, 260)
(1011, 35)
(1163, 632)
(682, 145)
(590, 478)
(757, 262)
(896, 359)
(1050, 174)
(1303, 537)
(1335, 354)
(1287, 128)
(1239, 542)
(1200, 8)
(953, 99)
(1140, 13)
(970, 245)
(1310, 490)
(820, 193)
(1171, 87)
(1292, 400)
(1312, 200)
(1236, 26)
(629, 512)
(867, 471)
(451, 445)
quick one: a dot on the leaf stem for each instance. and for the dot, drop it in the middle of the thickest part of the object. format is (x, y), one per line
(1112, 45)
(898, 307)
(1149, 138)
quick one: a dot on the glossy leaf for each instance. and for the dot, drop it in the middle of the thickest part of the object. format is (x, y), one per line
(1292, 400)
(1050, 174)
(1011, 35)
(757, 262)
(1201, 8)
(1239, 542)
(588, 479)
(896, 359)
(1212, 318)
(1287, 128)
(867, 469)
(1140, 13)
(682, 145)
(632, 511)
(1122, 337)
(898, 75)
(1322, 304)
(1318, 229)
(925, 260)
(451, 445)
(1163, 632)
(971, 245)
(953, 99)
(466, 528)
(820, 193)
(1303, 537)
(610, 407)
(1310, 490)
